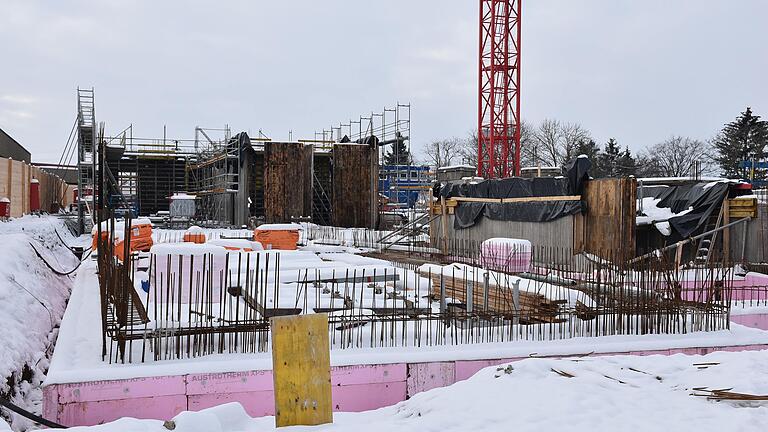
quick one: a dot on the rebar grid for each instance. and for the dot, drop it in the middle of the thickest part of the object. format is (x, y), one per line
(462, 293)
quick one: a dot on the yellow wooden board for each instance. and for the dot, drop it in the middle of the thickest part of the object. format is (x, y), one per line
(747, 202)
(742, 213)
(301, 361)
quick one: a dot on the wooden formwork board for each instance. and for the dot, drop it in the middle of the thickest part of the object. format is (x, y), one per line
(301, 359)
(608, 226)
(287, 181)
(354, 185)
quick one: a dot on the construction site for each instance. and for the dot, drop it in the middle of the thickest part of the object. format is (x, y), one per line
(233, 180)
(228, 281)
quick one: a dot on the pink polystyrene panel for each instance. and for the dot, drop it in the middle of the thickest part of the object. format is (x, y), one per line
(230, 382)
(368, 374)
(364, 397)
(355, 388)
(649, 352)
(759, 321)
(121, 389)
(97, 412)
(426, 376)
(256, 403)
(757, 347)
(465, 369)
(51, 402)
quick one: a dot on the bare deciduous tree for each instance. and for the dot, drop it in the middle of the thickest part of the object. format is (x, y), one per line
(574, 136)
(468, 149)
(675, 157)
(547, 138)
(552, 143)
(441, 153)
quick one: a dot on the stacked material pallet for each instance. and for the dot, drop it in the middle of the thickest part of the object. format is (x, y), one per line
(495, 298)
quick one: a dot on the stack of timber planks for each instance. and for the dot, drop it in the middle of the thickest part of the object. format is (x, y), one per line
(533, 308)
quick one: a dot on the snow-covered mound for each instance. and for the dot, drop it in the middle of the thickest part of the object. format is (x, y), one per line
(32, 302)
(623, 393)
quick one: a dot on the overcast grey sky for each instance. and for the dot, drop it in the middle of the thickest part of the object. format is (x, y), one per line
(638, 71)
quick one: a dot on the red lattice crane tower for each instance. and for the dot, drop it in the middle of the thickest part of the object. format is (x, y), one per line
(498, 134)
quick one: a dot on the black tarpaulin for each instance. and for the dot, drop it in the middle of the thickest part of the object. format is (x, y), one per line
(468, 213)
(513, 187)
(704, 198)
(577, 172)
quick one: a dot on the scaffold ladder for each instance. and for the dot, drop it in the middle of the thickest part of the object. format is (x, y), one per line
(86, 157)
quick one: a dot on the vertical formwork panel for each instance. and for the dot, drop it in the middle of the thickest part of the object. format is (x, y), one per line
(287, 181)
(609, 224)
(354, 187)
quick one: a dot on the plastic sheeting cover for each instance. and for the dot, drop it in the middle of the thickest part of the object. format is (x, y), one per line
(468, 213)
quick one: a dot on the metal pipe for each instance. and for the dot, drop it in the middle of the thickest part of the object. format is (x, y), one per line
(686, 241)
(743, 241)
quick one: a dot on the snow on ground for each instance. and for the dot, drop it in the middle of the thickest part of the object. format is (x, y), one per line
(32, 302)
(78, 355)
(78, 351)
(618, 393)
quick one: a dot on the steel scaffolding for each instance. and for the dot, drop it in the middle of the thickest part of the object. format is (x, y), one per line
(86, 157)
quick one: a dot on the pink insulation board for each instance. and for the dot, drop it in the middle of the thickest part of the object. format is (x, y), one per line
(506, 254)
(355, 388)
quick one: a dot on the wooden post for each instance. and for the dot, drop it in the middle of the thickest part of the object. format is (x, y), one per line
(301, 370)
(10, 185)
(727, 231)
(444, 224)
(679, 254)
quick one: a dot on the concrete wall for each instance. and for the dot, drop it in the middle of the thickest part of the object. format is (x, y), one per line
(756, 250)
(558, 233)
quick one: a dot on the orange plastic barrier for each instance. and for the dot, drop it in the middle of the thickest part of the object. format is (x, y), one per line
(194, 238)
(141, 240)
(233, 248)
(277, 239)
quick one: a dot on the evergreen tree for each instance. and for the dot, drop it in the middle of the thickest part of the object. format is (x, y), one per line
(607, 160)
(398, 155)
(588, 148)
(625, 164)
(741, 140)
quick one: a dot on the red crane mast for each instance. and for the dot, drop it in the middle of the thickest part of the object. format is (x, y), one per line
(498, 133)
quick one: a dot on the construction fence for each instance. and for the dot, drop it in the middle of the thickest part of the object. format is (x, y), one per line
(16, 178)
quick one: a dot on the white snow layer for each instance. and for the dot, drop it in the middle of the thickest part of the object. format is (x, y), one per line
(658, 216)
(32, 302)
(619, 393)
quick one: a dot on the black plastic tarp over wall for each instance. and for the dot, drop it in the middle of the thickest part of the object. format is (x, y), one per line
(704, 198)
(468, 213)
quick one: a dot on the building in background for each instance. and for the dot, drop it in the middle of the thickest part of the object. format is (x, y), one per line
(404, 184)
(455, 172)
(10, 148)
